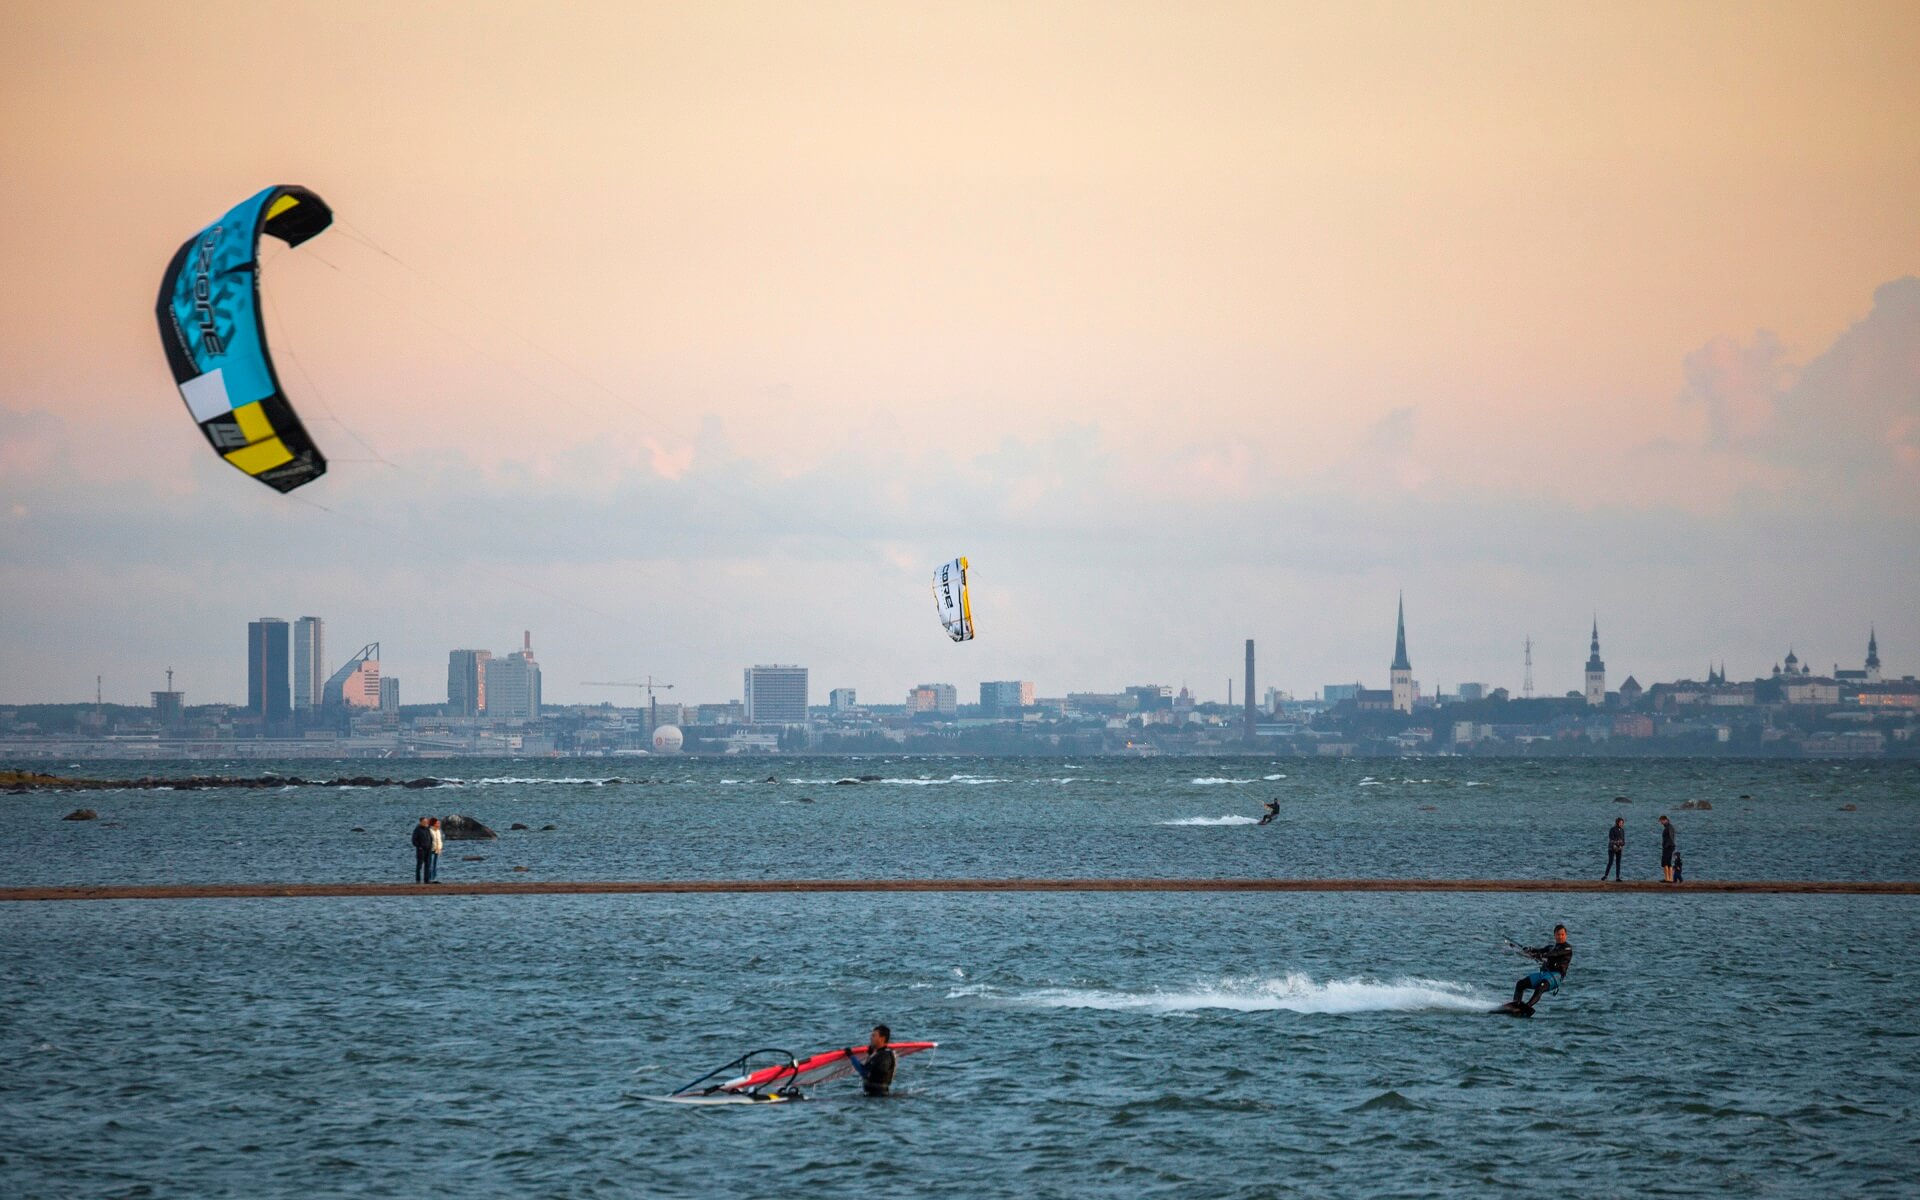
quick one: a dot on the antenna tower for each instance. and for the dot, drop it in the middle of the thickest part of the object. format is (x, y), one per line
(1526, 686)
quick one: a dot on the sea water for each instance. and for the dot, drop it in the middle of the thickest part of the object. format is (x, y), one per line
(1229, 1044)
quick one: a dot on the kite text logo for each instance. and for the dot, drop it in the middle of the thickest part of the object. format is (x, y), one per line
(210, 339)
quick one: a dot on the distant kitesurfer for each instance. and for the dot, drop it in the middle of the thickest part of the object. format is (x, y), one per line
(422, 851)
(1667, 842)
(1553, 959)
(1616, 845)
(1273, 810)
(876, 1074)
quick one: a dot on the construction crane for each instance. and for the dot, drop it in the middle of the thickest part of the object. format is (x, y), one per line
(649, 685)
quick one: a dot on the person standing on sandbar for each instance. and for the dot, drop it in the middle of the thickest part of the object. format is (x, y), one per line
(1668, 840)
(1616, 846)
(422, 852)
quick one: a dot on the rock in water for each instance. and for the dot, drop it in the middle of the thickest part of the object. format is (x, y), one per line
(81, 814)
(456, 828)
(426, 781)
(548, 828)
(515, 825)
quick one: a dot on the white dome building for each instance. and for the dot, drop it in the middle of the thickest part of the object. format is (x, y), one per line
(668, 739)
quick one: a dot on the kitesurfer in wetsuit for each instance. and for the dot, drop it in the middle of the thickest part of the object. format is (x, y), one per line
(876, 1074)
(1273, 810)
(1553, 960)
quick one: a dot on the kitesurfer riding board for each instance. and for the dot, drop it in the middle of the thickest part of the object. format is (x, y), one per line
(1554, 958)
(1272, 810)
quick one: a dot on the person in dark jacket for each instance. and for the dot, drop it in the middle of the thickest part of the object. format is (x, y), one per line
(876, 1074)
(1554, 958)
(422, 852)
(1272, 808)
(1667, 843)
(1616, 845)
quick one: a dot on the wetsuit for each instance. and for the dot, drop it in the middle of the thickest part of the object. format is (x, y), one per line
(1273, 810)
(1553, 961)
(876, 1074)
(1616, 844)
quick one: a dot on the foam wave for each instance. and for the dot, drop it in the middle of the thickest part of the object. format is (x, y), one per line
(1215, 781)
(1294, 992)
(527, 781)
(1214, 821)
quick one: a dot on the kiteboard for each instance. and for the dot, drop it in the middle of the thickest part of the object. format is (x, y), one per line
(1511, 1009)
(780, 1077)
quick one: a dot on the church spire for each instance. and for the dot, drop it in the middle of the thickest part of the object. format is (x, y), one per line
(1873, 648)
(1593, 649)
(1400, 662)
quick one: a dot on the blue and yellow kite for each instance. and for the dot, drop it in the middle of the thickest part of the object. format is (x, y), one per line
(216, 341)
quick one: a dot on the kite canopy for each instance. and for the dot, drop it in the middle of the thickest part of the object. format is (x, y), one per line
(951, 599)
(216, 341)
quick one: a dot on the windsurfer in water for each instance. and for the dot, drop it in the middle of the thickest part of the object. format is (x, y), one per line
(876, 1074)
(1273, 810)
(1553, 959)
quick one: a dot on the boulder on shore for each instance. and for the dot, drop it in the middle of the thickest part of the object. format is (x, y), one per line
(81, 814)
(456, 828)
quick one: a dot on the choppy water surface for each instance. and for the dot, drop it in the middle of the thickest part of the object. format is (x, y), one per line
(1092, 1045)
(662, 819)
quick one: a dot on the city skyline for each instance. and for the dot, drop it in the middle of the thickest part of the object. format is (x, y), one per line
(1183, 326)
(467, 671)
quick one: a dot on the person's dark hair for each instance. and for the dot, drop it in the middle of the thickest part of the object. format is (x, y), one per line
(1559, 928)
(1619, 820)
(1663, 818)
(884, 1032)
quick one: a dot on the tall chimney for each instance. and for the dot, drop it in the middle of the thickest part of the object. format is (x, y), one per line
(1250, 693)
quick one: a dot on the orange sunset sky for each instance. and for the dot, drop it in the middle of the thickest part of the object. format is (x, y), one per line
(692, 336)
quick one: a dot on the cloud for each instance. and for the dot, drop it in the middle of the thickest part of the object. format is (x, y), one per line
(1849, 419)
(1739, 386)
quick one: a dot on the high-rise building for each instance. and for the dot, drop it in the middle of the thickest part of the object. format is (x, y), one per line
(268, 696)
(776, 695)
(1596, 671)
(1404, 690)
(1004, 697)
(841, 700)
(390, 693)
(467, 682)
(941, 698)
(513, 684)
(169, 710)
(355, 687)
(309, 663)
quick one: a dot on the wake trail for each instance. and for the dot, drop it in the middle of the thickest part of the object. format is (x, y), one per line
(1294, 992)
